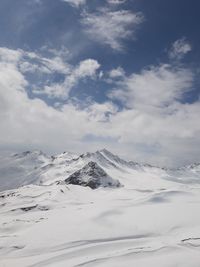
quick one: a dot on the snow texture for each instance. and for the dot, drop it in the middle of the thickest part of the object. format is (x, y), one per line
(152, 220)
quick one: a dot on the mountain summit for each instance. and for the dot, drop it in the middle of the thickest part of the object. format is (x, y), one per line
(92, 175)
(98, 169)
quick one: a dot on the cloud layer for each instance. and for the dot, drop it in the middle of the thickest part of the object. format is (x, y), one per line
(154, 122)
(154, 87)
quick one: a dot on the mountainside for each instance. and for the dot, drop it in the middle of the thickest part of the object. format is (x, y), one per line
(37, 168)
(138, 215)
(21, 169)
(93, 176)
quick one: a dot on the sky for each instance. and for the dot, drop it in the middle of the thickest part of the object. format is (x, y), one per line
(82, 75)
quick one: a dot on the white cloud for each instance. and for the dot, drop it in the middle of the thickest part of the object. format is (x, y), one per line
(116, 2)
(75, 3)
(157, 86)
(102, 112)
(171, 136)
(86, 69)
(31, 122)
(179, 49)
(156, 118)
(148, 130)
(111, 27)
(30, 62)
(63, 52)
(9, 56)
(44, 64)
(117, 73)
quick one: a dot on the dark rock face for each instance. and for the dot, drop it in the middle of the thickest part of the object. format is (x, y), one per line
(29, 208)
(92, 175)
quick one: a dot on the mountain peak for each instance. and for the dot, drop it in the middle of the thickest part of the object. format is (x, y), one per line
(29, 153)
(104, 150)
(92, 175)
(65, 156)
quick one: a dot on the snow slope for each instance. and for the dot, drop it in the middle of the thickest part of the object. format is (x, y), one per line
(21, 169)
(37, 168)
(152, 220)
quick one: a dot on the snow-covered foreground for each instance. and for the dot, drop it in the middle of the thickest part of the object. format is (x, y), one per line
(152, 220)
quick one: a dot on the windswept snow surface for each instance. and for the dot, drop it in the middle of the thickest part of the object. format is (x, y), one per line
(152, 220)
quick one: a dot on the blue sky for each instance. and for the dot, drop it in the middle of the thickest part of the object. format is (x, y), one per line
(85, 74)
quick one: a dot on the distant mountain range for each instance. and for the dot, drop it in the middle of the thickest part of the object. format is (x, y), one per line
(35, 167)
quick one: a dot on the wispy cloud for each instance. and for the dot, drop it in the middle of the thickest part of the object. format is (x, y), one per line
(75, 3)
(116, 2)
(112, 27)
(156, 86)
(86, 69)
(155, 114)
(179, 49)
(46, 67)
(117, 73)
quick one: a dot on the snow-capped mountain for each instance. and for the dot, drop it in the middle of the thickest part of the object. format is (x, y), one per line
(138, 214)
(93, 176)
(37, 168)
(21, 169)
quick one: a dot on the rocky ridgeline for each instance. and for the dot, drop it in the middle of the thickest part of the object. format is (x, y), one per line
(92, 175)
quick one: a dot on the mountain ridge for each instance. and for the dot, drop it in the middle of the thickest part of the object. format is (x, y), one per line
(35, 167)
